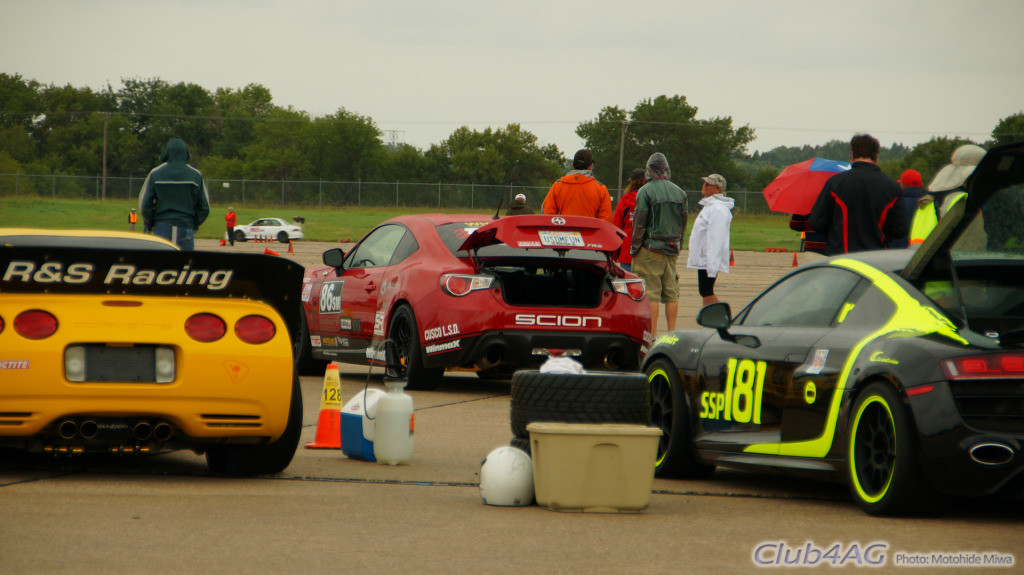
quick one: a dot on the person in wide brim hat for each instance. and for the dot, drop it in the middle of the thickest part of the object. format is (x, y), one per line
(961, 166)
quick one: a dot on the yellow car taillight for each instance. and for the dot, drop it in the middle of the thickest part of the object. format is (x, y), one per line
(205, 327)
(35, 324)
(255, 329)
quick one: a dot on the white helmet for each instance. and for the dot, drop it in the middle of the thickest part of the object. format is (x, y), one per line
(506, 477)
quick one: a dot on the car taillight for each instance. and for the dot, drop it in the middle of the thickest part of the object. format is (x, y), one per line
(205, 327)
(987, 366)
(459, 285)
(35, 324)
(636, 289)
(1, 325)
(255, 329)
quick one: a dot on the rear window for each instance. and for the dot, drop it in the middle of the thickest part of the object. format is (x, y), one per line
(453, 235)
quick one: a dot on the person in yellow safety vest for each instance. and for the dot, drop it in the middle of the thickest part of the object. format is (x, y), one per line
(945, 190)
(132, 218)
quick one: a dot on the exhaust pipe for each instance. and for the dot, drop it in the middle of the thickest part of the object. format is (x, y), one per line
(991, 453)
(67, 429)
(142, 431)
(88, 429)
(613, 359)
(492, 357)
(163, 431)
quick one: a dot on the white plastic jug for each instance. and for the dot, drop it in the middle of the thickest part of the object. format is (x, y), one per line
(393, 432)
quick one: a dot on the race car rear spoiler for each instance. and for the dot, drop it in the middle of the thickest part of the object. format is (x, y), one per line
(68, 270)
(547, 231)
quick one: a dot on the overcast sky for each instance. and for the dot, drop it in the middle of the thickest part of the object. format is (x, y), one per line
(797, 72)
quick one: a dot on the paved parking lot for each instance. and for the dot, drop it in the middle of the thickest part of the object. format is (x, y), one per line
(327, 513)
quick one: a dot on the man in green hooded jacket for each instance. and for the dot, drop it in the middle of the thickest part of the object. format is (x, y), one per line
(174, 201)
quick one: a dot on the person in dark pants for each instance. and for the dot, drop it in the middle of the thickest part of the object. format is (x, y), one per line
(174, 201)
(231, 219)
(860, 209)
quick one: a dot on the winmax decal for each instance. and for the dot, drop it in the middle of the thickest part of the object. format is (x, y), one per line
(551, 320)
(441, 347)
(117, 274)
(330, 297)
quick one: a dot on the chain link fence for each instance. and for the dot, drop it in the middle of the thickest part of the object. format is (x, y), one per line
(320, 193)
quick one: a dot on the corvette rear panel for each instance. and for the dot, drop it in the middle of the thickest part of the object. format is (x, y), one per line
(223, 388)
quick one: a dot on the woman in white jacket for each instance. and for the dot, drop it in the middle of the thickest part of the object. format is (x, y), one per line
(709, 238)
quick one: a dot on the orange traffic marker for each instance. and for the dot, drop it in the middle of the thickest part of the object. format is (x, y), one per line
(291, 250)
(223, 242)
(794, 260)
(270, 252)
(732, 259)
(328, 427)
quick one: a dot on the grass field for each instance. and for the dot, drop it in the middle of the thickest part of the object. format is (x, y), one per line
(749, 232)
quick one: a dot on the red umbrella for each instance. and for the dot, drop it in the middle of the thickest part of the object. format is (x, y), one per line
(798, 186)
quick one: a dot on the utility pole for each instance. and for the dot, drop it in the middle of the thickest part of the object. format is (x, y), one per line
(622, 148)
(106, 120)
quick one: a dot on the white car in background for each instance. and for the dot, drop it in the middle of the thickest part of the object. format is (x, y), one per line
(268, 229)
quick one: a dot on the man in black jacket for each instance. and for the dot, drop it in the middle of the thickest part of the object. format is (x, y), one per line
(860, 209)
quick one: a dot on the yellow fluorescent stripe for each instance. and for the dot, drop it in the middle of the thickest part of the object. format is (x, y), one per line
(911, 319)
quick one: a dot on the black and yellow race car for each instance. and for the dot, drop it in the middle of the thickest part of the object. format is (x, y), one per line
(900, 372)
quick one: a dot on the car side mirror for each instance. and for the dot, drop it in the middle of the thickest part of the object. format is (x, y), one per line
(716, 315)
(334, 257)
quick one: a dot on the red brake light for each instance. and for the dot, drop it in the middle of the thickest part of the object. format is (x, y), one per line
(459, 285)
(205, 327)
(35, 324)
(1, 325)
(636, 289)
(255, 329)
(987, 366)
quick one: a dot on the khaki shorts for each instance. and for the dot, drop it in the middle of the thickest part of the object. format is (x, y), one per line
(659, 273)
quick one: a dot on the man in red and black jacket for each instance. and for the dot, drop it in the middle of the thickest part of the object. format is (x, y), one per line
(860, 209)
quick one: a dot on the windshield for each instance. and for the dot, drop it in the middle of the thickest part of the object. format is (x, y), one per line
(453, 235)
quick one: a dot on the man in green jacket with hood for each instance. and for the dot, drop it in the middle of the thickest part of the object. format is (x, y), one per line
(174, 201)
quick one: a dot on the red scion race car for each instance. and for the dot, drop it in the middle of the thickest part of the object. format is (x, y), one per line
(468, 292)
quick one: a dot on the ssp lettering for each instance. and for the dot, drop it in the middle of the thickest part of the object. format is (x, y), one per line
(741, 399)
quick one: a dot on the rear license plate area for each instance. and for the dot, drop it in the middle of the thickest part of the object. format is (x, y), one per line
(136, 364)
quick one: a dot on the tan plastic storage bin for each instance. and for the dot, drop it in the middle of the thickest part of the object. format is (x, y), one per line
(597, 467)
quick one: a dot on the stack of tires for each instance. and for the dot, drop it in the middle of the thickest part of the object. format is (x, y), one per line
(596, 397)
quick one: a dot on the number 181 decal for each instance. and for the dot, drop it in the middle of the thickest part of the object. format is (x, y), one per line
(741, 400)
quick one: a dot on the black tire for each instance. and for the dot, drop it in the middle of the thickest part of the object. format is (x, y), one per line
(245, 460)
(282, 237)
(884, 473)
(670, 411)
(239, 236)
(404, 331)
(305, 363)
(521, 443)
(578, 398)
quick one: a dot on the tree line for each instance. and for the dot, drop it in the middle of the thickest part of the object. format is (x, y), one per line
(236, 133)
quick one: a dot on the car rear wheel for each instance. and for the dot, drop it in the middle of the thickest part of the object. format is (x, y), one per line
(885, 476)
(244, 460)
(670, 411)
(282, 237)
(305, 363)
(405, 333)
(577, 398)
(239, 236)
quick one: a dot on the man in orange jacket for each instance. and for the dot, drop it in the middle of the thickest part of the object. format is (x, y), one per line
(578, 193)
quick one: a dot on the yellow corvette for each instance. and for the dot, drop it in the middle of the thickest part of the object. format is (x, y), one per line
(119, 343)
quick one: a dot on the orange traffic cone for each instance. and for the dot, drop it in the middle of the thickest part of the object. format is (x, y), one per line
(223, 242)
(291, 250)
(328, 427)
(270, 252)
(794, 260)
(732, 259)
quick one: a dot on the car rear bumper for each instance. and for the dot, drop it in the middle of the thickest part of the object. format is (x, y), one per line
(512, 350)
